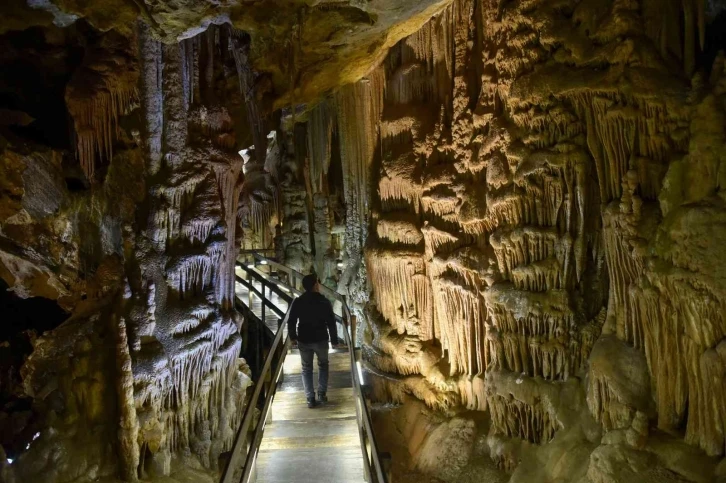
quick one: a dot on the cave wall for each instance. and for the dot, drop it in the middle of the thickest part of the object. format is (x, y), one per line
(534, 191)
(185, 336)
(132, 225)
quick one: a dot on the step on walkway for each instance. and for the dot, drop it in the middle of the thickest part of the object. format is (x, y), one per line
(319, 445)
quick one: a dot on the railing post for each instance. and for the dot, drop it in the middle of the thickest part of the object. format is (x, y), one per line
(264, 299)
(387, 464)
(260, 348)
(249, 290)
(353, 323)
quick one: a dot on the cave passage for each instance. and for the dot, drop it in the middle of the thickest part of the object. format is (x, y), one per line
(516, 207)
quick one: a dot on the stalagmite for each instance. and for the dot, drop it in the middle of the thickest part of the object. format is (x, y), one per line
(128, 423)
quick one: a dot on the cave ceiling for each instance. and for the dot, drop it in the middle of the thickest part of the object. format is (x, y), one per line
(303, 48)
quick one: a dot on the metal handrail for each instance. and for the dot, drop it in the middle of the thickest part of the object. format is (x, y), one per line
(239, 445)
(259, 294)
(372, 460)
(235, 460)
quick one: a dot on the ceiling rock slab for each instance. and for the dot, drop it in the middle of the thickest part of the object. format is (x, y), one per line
(307, 47)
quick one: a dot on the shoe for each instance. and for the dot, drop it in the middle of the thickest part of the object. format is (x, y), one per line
(312, 402)
(322, 397)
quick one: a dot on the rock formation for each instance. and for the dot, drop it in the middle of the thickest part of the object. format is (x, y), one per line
(533, 177)
(521, 199)
(144, 378)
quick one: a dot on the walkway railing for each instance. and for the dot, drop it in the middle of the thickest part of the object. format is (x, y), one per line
(241, 464)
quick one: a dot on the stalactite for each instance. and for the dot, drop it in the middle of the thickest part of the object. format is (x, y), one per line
(409, 83)
(517, 419)
(199, 230)
(189, 57)
(398, 185)
(319, 138)
(677, 362)
(431, 49)
(663, 25)
(403, 292)
(359, 108)
(399, 232)
(102, 89)
(460, 327)
(622, 128)
(473, 392)
(388, 388)
(531, 255)
(625, 266)
(96, 121)
(440, 205)
(533, 332)
(437, 240)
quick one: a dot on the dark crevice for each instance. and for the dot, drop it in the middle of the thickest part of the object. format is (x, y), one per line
(23, 320)
(715, 41)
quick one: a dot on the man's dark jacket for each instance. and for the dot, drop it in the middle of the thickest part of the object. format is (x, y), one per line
(315, 315)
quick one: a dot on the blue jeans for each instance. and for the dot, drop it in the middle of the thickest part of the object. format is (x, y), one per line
(307, 350)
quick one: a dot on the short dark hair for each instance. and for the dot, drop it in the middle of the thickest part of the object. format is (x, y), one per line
(309, 282)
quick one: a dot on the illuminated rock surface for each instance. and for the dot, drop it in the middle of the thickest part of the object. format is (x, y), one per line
(522, 200)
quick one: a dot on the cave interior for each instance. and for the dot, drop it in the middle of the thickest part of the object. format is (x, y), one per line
(520, 200)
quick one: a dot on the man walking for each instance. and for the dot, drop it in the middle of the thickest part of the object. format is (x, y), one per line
(309, 321)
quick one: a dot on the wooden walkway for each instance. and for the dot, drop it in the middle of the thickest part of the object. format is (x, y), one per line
(302, 445)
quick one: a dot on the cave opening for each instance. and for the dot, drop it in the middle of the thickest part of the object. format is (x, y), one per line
(24, 320)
